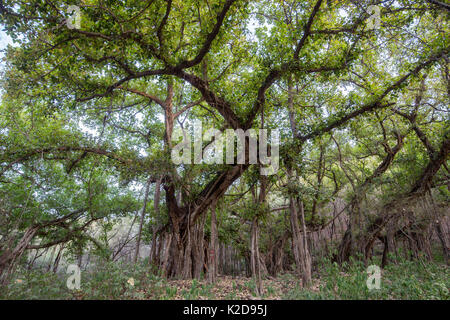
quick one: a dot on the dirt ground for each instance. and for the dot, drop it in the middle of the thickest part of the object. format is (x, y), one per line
(236, 288)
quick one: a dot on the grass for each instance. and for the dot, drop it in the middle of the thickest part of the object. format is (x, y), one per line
(403, 279)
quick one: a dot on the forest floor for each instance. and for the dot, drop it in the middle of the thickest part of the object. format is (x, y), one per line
(401, 279)
(241, 288)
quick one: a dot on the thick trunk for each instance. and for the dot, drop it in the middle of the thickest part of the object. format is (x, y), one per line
(165, 260)
(199, 249)
(183, 218)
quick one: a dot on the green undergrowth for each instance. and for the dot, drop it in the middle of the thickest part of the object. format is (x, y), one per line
(401, 279)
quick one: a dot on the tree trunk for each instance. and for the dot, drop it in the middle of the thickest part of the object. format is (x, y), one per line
(300, 249)
(296, 242)
(255, 259)
(384, 259)
(442, 239)
(305, 252)
(141, 223)
(199, 249)
(9, 257)
(212, 272)
(165, 260)
(154, 258)
(58, 258)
